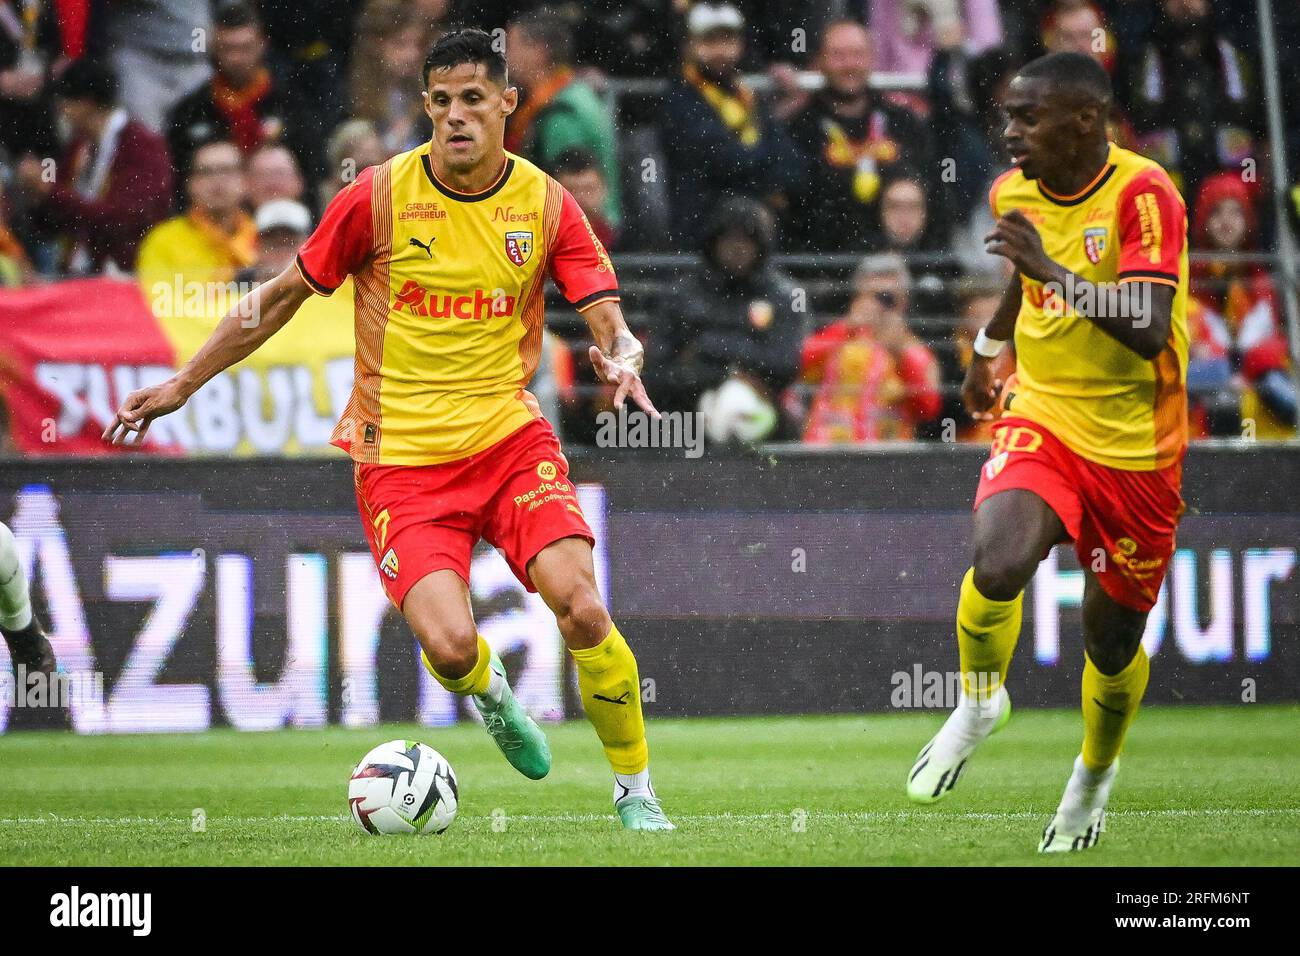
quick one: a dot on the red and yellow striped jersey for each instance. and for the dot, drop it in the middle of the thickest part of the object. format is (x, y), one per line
(1102, 399)
(448, 303)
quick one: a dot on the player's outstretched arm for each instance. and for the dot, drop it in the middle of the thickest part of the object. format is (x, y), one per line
(257, 317)
(617, 355)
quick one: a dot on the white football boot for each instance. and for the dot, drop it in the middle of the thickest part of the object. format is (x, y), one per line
(1081, 817)
(940, 762)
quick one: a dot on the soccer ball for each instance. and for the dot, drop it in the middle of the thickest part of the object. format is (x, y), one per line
(403, 787)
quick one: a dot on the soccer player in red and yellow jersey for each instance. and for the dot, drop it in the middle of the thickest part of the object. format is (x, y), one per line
(1090, 442)
(449, 246)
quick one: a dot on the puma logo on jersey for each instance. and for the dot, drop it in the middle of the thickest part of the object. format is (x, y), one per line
(426, 246)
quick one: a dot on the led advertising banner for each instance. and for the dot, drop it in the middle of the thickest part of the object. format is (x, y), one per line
(169, 615)
(183, 595)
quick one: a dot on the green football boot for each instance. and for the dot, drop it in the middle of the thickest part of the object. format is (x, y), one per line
(515, 733)
(639, 812)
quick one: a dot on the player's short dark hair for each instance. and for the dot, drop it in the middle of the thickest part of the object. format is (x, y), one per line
(465, 46)
(86, 79)
(575, 159)
(549, 27)
(234, 15)
(1075, 73)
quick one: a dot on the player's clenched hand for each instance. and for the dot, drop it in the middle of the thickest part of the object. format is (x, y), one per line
(980, 390)
(622, 369)
(1015, 238)
(140, 408)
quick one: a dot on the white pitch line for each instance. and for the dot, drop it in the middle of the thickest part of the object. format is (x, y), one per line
(865, 816)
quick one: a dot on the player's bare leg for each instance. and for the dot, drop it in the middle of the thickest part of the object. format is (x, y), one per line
(438, 609)
(1114, 679)
(1013, 530)
(565, 577)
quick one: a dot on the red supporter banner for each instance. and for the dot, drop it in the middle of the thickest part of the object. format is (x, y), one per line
(69, 353)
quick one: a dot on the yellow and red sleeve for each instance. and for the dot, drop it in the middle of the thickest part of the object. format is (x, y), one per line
(1152, 222)
(342, 240)
(578, 261)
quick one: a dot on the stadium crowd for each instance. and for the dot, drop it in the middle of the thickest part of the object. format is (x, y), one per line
(819, 168)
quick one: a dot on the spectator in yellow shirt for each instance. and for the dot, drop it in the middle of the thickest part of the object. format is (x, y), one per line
(207, 244)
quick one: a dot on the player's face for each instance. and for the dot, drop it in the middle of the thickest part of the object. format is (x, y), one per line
(1041, 132)
(469, 111)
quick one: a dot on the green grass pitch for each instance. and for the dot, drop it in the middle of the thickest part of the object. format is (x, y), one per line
(1199, 785)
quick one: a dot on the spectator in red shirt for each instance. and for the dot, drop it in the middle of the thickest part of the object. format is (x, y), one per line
(870, 376)
(113, 184)
(1237, 348)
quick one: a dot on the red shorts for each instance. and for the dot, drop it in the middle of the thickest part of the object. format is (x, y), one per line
(516, 495)
(1122, 522)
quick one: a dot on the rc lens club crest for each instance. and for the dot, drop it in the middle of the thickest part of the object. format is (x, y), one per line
(519, 246)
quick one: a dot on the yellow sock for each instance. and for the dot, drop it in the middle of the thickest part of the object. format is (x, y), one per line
(1110, 702)
(611, 695)
(473, 683)
(984, 661)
